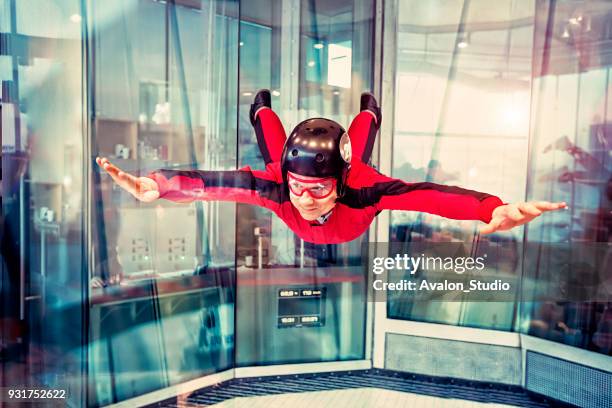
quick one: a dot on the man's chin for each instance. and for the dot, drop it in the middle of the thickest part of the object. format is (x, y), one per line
(308, 216)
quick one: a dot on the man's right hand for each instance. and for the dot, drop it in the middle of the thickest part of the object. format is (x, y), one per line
(143, 188)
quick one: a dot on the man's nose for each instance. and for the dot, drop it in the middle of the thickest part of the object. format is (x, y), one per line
(306, 199)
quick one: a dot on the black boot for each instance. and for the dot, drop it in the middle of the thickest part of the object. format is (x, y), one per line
(368, 102)
(262, 98)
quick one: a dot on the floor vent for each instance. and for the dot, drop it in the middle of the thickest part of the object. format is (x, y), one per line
(569, 382)
(384, 379)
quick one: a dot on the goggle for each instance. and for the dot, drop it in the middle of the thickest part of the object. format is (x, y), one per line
(317, 188)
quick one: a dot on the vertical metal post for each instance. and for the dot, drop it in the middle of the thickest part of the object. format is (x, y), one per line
(43, 268)
(301, 253)
(377, 78)
(387, 97)
(290, 68)
(289, 74)
(22, 246)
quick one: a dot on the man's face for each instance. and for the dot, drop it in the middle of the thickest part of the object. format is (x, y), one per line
(304, 190)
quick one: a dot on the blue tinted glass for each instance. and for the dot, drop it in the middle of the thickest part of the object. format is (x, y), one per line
(305, 81)
(43, 267)
(571, 116)
(163, 296)
(440, 138)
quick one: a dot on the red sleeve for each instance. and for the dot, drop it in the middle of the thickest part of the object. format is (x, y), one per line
(386, 193)
(270, 135)
(362, 134)
(241, 186)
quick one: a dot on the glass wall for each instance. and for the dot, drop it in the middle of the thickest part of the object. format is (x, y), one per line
(533, 72)
(136, 297)
(462, 92)
(43, 293)
(316, 57)
(163, 83)
(570, 161)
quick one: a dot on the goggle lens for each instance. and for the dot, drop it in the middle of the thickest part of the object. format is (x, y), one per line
(319, 188)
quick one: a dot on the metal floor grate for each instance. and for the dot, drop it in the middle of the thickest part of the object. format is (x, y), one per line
(384, 379)
(573, 383)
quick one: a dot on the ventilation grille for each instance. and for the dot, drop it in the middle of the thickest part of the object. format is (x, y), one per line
(568, 382)
(384, 379)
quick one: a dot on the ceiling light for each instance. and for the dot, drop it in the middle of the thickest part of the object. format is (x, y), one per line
(241, 43)
(275, 93)
(587, 26)
(566, 33)
(75, 18)
(318, 46)
(247, 94)
(463, 40)
(311, 63)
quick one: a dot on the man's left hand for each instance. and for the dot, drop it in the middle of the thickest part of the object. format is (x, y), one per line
(508, 216)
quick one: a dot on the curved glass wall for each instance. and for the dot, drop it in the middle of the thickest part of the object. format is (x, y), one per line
(43, 297)
(163, 84)
(152, 288)
(539, 68)
(138, 297)
(316, 58)
(462, 91)
(571, 161)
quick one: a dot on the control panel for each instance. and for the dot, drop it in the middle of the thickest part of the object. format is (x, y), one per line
(301, 307)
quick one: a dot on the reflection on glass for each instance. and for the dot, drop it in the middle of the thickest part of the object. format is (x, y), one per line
(572, 145)
(319, 64)
(444, 140)
(41, 262)
(462, 94)
(162, 286)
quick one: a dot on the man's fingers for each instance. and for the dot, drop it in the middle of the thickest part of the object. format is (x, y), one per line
(123, 179)
(129, 180)
(150, 195)
(491, 226)
(511, 215)
(530, 209)
(108, 166)
(147, 191)
(548, 206)
(487, 229)
(514, 214)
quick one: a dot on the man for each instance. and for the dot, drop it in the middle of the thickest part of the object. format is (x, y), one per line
(319, 183)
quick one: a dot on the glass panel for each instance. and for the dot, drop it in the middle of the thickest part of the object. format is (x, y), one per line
(572, 146)
(42, 287)
(5, 16)
(451, 52)
(165, 97)
(306, 302)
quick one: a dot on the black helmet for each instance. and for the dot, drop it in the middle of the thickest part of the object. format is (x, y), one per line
(318, 147)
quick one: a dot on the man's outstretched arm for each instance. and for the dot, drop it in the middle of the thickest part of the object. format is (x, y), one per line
(243, 186)
(448, 201)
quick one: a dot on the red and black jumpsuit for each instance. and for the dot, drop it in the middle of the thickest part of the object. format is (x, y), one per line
(368, 192)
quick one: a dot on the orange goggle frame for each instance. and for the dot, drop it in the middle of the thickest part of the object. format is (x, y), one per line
(316, 188)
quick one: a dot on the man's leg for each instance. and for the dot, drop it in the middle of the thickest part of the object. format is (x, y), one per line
(268, 127)
(364, 127)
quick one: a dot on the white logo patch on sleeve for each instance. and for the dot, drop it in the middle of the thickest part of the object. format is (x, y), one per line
(345, 148)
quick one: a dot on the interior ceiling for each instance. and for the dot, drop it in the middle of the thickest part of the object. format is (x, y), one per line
(331, 8)
(448, 12)
(444, 15)
(260, 11)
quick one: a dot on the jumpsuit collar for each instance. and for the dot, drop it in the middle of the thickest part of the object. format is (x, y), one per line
(323, 219)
